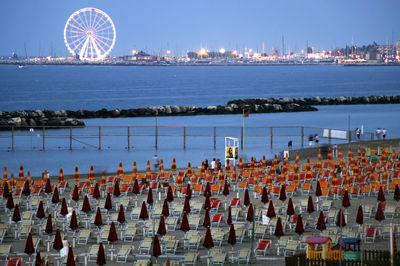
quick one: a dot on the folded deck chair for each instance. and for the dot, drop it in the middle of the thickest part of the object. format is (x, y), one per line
(123, 253)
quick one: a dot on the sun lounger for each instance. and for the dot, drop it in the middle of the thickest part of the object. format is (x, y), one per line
(5, 251)
(194, 220)
(244, 255)
(194, 242)
(92, 254)
(123, 253)
(135, 213)
(142, 262)
(83, 237)
(219, 259)
(145, 246)
(217, 219)
(130, 232)
(291, 248)
(170, 246)
(191, 258)
(171, 223)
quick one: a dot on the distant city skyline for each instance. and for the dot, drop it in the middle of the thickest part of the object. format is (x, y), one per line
(179, 25)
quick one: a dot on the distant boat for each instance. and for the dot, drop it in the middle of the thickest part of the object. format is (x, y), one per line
(21, 66)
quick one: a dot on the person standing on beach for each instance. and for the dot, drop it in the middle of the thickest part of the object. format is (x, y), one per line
(316, 139)
(213, 164)
(156, 162)
(290, 144)
(378, 133)
(358, 133)
(384, 133)
(206, 165)
(310, 140)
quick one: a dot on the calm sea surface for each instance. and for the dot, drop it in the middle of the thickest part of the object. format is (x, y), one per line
(89, 87)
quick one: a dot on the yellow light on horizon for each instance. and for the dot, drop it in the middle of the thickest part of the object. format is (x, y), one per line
(202, 52)
(134, 52)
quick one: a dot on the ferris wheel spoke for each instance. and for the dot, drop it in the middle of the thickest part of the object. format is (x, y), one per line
(76, 46)
(98, 53)
(80, 39)
(78, 32)
(94, 20)
(83, 51)
(101, 47)
(103, 37)
(104, 29)
(86, 21)
(84, 26)
(79, 27)
(104, 43)
(98, 22)
(101, 25)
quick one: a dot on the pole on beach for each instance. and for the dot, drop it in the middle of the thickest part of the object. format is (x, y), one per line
(243, 136)
(156, 133)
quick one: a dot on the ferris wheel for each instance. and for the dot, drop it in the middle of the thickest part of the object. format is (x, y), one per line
(90, 34)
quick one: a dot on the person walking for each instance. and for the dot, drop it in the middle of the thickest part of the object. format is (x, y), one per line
(206, 165)
(358, 133)
(384, 133)
(290, 144)
(310, 140)
(316, 139)
(156, 162)
(378, 133)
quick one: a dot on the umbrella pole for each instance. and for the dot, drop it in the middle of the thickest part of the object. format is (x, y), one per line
(340, 238)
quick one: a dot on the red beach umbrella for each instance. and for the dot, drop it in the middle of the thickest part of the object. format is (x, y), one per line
(156, 247)
(246, 200)
(16, 215)
(40, 211)
(346, 200)
(232, 235)
(250, 213)
(117, 191)
(299, 225)
(161, 227)
(318, 191)
(188, 191)
(73, 224)
(278, 228)
(143, 212)
(101, 257)
(96, 191)
(165, 209)
(10, 202)
(208, 242)
(38, 259)
(379, 216)
(29, 248)
(57, 243)
(282, 194)
(206, 222)
(207, 204)
(70, 258)
(64, 208)
(47, 188)
(290, 208)
(75, 194)
(381, 196)
(226, 188)
(310, 205)
(26, 191)
(321, 222)
(186, 205)
(49, 225)
(340, 220)
(6, 190)
(264, 196)
(135, 189)
(229, 220)
(55, 198)
(86, 205)
(170, 196)
(396, 196)
(207, 191)
(121, 214)
(271, 210)
(76, 174)
(112, 234)
(98, 221)
(360, 215)
(150, 197)
(185, 223)
(108, 203)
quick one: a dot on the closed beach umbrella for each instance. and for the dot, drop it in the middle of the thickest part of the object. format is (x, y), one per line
(101, 257)
(207, 203)
(86, 205)
(57, 243)
(75, 194)
(208, 242)
(76, 174)
(170, 195)
(70, 258)
(91, 173)
(38, 259)
(207, 191)
(185, 223)
(150, 197)
(10, 201)
(299, 225)
(117, 191)
(161, 227)
(250, 213)
(26, 191)
(346, 200)
(290, 208)
(108, 203)
(96, 191)
(40, 211)
(271, 210)
(278, 228)
(381, 196)
(340, 220)
(226, 188)
(120, 171)
(73, 223)
(360, 215)
(229, 220)
(173, 165)
(379, 216)
(318, 191)
(135, 189)
(6, 190)
(121, 214)
(282, 194)
(143, 212)
(112, 234)
(47, 188)
(55, 198)
(98, 221)
(186, 205)
(49, 225)
(21, 172)
(156, 247)
(232, 235)
(321, 222)
(64, 207)
(29, 248)
(165, 209)
(16, 215)
(206, 222)
(264, 196)
(246, 200)
(189, 191)
(396, 196)
(5, 174)
(310, 205)
(61, 176)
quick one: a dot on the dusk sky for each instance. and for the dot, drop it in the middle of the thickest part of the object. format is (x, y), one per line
(180, 25)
